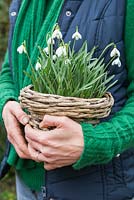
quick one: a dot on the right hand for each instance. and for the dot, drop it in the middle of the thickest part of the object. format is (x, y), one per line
(14, 117)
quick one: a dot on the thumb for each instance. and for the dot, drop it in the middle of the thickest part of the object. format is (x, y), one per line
(20, 115)
(51, 121)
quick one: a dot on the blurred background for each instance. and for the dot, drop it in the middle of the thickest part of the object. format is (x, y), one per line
(4, 26)
(7, 184)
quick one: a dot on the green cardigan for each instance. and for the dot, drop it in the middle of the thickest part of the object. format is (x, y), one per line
(102, 142)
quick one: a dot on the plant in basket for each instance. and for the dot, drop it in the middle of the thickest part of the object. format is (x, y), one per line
(69, 83)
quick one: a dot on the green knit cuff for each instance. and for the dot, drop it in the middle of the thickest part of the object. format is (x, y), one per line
(97, 146)
(86, 157)
(4, 98)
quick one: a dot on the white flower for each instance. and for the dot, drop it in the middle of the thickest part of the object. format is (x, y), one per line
(61, 51)
(46, 50)
(115, 52)
(57, 34)
(54, 57)
(21, 49)
(37, 66)
(50, 41)
(117, 62)
(77, 35)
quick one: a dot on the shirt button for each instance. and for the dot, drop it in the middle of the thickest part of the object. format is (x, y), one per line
(68, 13)
(13, 14)
(118, 155)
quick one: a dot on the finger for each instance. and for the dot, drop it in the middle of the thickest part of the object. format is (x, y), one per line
(15, 136)
(48, 166)
(47, 154)
(57, 164)
(52, 121)
(37, 146)
(21, 153)
(44, 156)
(34, 153)
(38, 156)
(42, 137)
(21, 116)
(34, 134)
(51, 155)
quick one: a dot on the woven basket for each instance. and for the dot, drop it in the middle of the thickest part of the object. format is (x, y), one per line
(78, 109)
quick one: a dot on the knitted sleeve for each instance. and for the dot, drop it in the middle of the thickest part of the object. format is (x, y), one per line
(108, 139)
(7, 90)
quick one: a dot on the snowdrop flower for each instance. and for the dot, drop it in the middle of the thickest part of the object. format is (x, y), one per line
(54, 57)
(50, 41)
(57, 34)
(61, 51)
(46, 50)
(37, 66)
(115, 52)
(77, 35)
(21, 49)
(117, 62)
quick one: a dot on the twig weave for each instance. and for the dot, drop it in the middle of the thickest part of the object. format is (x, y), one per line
(78, 109)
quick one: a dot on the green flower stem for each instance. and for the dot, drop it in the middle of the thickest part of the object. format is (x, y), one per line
(112, 59)
(107, 47)
(29, 59)
(24, 43)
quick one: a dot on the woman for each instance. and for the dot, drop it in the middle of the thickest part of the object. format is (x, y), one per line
(81, 161)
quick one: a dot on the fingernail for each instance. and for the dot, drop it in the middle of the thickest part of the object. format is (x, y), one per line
(40, 125)
(25, 120)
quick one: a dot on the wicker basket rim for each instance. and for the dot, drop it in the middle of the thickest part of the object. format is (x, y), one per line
(79, 109)
(29, 89)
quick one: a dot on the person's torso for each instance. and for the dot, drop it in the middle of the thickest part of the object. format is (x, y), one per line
(100, 23)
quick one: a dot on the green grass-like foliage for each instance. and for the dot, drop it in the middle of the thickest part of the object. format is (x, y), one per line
(74, 74)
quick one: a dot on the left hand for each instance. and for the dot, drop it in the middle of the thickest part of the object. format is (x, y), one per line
(61, 146)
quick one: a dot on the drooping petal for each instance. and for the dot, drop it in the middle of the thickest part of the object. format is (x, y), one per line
(57, 34)
(37, 66)
(46, 50)
(61, 51)
(76, 36)
(117, 62)
(50, 41)
(115, 52)
(21, 49)
(54, 57)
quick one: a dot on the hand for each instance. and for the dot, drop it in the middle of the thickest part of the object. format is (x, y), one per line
(61, 146)
(13, 116)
